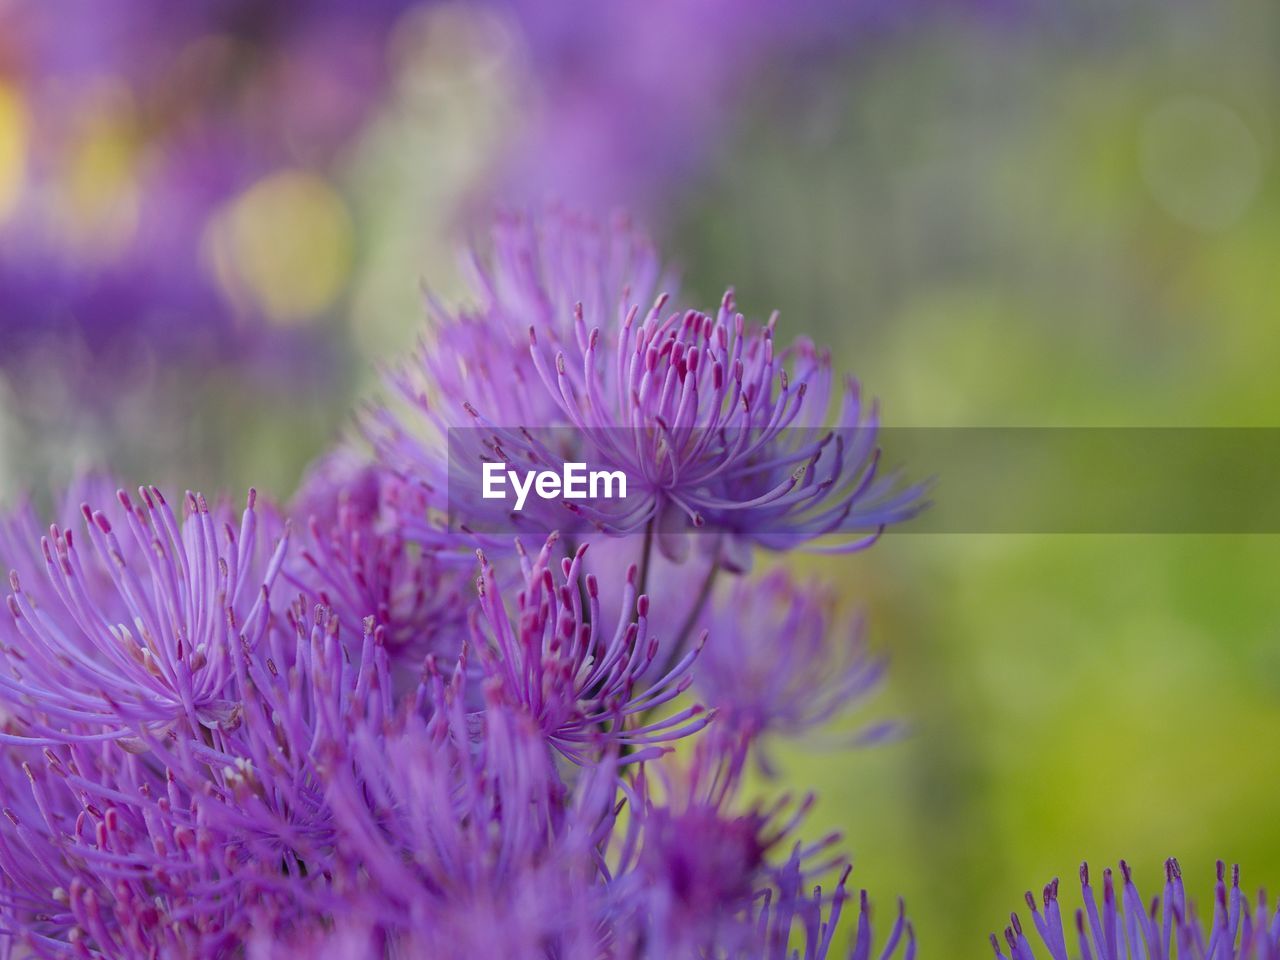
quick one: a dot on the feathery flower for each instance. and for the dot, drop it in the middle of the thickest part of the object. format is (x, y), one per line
(1165, 928)
(714, 425)
(475, 359)
(458, 831)
(587, 683)
(791, 908)
(298, 695)
(100, 849)
(307, 792)
(772, 666)
(141, 630)
(176, 846)
(695, 870)
(720, 428)
(190, 767)
(356, 560)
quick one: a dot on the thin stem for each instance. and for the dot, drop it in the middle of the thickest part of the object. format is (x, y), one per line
(646, 554)
(691, 620)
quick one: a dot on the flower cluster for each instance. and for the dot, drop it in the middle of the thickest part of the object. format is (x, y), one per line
(356, 726)
(347, 726)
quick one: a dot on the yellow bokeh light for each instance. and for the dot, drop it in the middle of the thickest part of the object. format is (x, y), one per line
(283, 247)
(13, 148)
(97, 191)
(101, 191)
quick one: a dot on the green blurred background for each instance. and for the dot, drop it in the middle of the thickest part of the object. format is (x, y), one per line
(1063, 221)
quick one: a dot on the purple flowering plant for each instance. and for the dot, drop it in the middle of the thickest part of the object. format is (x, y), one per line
(343, 725)
(347, 726)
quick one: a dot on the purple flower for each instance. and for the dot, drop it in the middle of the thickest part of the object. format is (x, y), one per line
(140, 631)
(628, 101)
(719, 428)
(1167, 927)
(457, 831)
(298, 697)
(175, 846)
(351, 934)
(459, 834)
(587, 681)
(696, 870)
(99, 849)
(294, 801)
(792, 907)
(772, 666)
(475, 360)
(395, 764)
(356, 560)
(714, 425)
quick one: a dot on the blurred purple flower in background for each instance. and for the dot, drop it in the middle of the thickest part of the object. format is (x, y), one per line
(167, 191)
(781, 664)
(628, 100)
(166, 174)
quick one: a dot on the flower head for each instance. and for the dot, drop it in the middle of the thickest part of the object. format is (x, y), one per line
(141, 629)
(176, 845)
(474, 361)
(719, 427)
(773, 665)
(356, 559)
(695, 868)
(794, 910)
(459, 830)
(715, 424)
(1168, 927)
(588, 681)
(99, 848)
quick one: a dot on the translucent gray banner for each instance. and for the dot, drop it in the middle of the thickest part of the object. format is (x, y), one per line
(1093, 480)
(907, 480)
